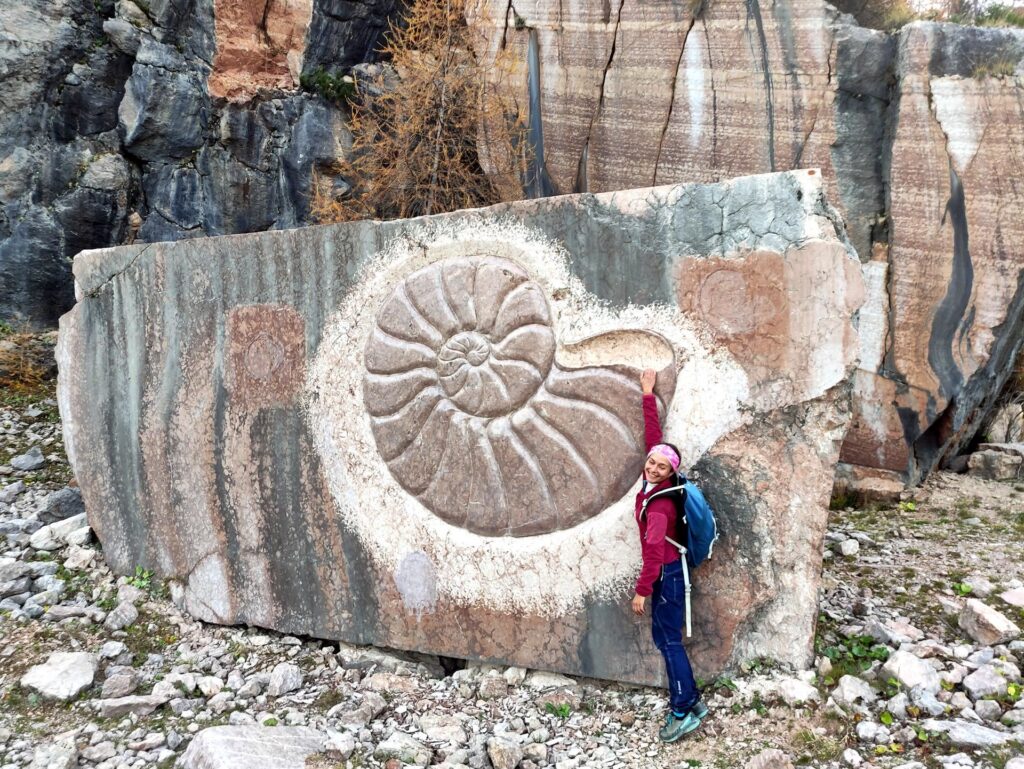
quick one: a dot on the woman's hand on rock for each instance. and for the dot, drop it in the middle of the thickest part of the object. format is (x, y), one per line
(647, 380)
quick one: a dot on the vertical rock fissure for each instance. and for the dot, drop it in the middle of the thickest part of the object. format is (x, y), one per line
(754, 12)
(714, 95)
(504, 33)
(671, 101)
(538, 182)
(600, 100)
(798, 158)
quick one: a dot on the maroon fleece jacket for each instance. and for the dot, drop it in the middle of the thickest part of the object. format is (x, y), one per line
(659, 520)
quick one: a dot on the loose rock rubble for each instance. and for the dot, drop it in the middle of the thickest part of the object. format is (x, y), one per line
(919, 656)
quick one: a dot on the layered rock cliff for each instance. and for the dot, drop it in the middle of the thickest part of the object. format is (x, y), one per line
(174, 119)
(919, 137)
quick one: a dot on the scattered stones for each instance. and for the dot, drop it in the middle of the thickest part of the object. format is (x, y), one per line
(442, 729)
(987, 625)
(61, 754)
(62, 676)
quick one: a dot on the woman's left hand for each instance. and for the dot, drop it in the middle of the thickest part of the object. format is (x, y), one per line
(638, 604)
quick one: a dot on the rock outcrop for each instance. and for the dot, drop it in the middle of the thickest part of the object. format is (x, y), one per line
(918, 136)
(163, 120)
(176, 119)
(367, 431)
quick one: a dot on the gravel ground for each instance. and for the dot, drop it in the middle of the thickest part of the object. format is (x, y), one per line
(918, 656)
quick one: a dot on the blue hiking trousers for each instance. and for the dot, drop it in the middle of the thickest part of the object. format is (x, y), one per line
(667, 607)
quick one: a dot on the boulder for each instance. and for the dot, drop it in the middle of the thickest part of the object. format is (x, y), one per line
(851, 692)
(135, 704)
(986, 625)
(404, 748)
(123, 615)
(165, 107)
(31, 460)
(967, 734)
(62, 676)
(254, 747)
(1014, 597)
(60, 754)
(994, 465)
(771, 758)
(284, 678)
(985, 681)
(504, 753)
(61, 505)
(54, 535)
(317, 357)
(912, 672)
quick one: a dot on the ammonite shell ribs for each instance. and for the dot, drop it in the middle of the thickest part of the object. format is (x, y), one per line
(475, 419)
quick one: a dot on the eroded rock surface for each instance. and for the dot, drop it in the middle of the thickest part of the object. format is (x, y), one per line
(252, 476)
(918, 136)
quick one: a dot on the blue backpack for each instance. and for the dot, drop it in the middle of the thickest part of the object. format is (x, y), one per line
(694, 516)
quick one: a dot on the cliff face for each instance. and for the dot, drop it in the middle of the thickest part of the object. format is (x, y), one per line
(158, 121)
(181, 118)
(919, 137)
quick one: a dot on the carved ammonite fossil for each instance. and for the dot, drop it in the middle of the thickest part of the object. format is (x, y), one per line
(474, 417)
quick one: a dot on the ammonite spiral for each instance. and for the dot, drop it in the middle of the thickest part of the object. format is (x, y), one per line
(473, 416)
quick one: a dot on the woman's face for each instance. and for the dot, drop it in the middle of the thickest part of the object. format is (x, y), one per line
(657, 469)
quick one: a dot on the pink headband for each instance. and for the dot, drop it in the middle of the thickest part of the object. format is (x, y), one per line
(666, 451)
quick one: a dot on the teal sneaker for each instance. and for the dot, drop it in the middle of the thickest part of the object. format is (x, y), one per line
(676, 728)
(700, 710)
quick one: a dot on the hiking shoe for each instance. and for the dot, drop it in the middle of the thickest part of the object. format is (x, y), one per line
(676, 728)
(700, 710)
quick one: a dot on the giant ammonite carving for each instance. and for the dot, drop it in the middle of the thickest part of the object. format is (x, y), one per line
(476, 419)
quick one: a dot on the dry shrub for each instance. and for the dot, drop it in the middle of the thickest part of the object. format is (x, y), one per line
(417, 137)
(26, 361)
(889, 15)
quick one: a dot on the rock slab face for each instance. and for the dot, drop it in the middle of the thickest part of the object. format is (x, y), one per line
(378, 432)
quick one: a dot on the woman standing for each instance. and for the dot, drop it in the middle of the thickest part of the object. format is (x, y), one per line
(661, 577)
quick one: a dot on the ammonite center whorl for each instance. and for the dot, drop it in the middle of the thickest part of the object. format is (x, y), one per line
(473, 417)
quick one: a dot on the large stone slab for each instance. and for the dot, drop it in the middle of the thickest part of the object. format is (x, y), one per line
(426, 434)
